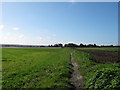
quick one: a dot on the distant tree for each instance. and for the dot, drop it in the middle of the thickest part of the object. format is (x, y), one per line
(81, 45)
(42, 46)
(58, 45)
(90, 45)
(70, 45)
(48, 45)
(85, 45)
(111, 45)
(51, 45)
(102, 45)
(94, 45)
(65, 45)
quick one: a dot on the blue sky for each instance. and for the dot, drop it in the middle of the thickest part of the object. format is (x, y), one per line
(50, 23)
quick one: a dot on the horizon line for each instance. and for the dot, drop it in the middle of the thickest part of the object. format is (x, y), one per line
(63, 44)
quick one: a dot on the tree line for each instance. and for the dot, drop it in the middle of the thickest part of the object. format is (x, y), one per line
(80, 45)
(58, 45)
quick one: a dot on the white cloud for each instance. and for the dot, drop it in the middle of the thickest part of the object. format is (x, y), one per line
(15, 28)
(1, 26)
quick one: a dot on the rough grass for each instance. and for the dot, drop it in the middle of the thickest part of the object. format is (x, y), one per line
(36, 68)
(88, 68)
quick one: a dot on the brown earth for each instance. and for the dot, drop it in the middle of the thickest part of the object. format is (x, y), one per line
(103, 56)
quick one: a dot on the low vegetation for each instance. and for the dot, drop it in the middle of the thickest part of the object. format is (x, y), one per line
(36, 68)
(51, 68)
(106, 78)
(97, 74)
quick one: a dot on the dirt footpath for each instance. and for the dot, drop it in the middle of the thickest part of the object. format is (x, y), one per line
(76, 78)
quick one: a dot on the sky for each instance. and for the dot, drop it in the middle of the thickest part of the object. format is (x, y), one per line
(44, 23)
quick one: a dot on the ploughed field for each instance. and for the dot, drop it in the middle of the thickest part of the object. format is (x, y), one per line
(103, 54)
(35, 68)
(102, 48)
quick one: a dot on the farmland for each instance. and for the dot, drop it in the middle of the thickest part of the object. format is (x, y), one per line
(97, 75)
(51, 68)
(98, 55)
(102, 48)
(35, 68)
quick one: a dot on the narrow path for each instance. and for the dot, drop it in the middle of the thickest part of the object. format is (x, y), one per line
(76, 79)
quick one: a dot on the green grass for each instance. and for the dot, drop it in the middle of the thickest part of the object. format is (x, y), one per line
(35, 68)
(51, 68)
(102, 48)
(92, 72)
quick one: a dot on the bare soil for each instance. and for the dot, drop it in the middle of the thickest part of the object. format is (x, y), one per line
(103, 56)
(76, 78)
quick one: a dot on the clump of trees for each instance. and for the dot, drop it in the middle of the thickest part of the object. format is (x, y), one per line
(71, 45)
(56, 45)
(81, 45)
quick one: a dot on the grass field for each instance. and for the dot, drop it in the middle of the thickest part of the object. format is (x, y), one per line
(51, 68)
(35, 68)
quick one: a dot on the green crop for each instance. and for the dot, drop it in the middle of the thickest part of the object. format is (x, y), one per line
(106, 78)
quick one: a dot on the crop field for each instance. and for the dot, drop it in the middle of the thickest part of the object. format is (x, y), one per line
(35, 68)
(52, 68)
(97, 75)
